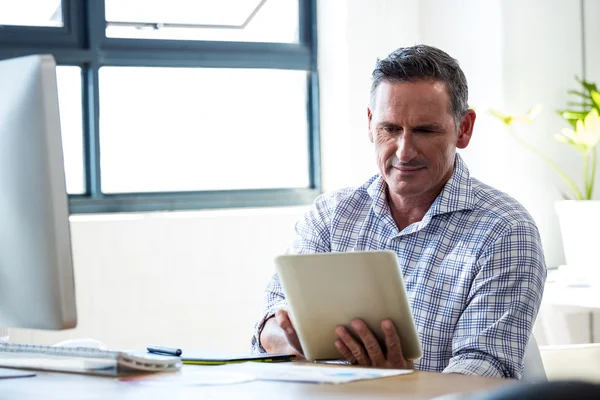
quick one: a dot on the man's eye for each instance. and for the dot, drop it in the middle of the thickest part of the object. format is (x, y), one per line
(391, 129)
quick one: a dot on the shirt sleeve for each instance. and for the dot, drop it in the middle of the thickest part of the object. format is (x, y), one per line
(492, 333)
(311, 236)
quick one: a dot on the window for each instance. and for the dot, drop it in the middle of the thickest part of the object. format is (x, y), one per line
(232, 129)
(220, 20)
(179, 104)
(71, 125)
(31, 13)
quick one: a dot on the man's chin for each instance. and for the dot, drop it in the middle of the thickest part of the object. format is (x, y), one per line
(403, 189)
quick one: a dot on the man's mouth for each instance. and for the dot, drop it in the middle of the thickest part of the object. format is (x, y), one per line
(404, 168)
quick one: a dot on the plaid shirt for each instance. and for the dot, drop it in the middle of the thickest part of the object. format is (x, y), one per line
(473, 268)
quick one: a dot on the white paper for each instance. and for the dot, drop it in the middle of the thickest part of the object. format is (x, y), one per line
(296, 372)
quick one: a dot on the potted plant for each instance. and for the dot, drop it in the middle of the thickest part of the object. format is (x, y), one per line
(579, 214)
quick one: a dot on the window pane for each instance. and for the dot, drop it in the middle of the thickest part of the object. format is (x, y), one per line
(71, 124)
(186, 129)
(31, 13)
(218, 20)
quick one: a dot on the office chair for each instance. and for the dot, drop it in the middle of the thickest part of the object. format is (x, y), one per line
(533, 366)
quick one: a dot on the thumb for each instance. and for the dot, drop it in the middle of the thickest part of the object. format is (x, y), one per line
(284, 321)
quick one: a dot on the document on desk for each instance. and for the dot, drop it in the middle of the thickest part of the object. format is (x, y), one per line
(304, 372)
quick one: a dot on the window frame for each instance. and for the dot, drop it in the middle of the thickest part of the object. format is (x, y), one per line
(82, 42)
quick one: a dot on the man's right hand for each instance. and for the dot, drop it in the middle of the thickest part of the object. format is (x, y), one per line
(279, 336)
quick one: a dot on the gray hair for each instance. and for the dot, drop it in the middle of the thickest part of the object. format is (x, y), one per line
(424, 63)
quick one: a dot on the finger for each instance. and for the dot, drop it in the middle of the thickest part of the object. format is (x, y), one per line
(353, 345)
(285, 323)
(393, 344)
(345, 351)
(370, 342)
(283, 320)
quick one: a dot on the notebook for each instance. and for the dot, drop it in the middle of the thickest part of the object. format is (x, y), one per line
(198, 357)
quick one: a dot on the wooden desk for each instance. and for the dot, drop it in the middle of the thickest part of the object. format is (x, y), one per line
(417, 385)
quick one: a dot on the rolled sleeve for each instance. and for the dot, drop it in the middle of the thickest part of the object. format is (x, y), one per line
(482, 365)
(274, 301)
(258, 328)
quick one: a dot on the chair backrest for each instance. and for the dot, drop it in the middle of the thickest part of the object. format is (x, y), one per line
(533, 366)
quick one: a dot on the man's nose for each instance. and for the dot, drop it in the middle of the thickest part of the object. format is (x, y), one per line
(406, 147)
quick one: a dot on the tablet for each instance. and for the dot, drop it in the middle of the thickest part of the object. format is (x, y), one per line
(325, 290)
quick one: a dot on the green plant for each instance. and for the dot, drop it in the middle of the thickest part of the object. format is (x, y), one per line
(590, 99)
(583, 136)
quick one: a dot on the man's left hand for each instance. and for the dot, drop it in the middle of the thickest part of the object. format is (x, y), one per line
(366, 350)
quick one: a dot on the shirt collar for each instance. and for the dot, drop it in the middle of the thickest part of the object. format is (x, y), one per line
(457, 194)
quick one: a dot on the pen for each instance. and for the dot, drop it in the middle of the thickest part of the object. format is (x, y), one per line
(163, 350)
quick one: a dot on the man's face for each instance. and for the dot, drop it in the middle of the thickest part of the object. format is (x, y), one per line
(415, 136)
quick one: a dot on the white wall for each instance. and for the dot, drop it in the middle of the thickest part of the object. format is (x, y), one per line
(592, 45)
(353, 33)
(541, 70)
(195, 279)
(190, 279)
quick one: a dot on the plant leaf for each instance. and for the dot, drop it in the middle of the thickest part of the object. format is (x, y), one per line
(533, 112)
(595, 96)
(505, 118)
(560, 138)
(580, 127)
(581, 105)
(592, 123)
(587, 85)
(575, 92)
(569, 115)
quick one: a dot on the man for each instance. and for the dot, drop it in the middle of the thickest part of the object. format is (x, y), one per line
(470, 255)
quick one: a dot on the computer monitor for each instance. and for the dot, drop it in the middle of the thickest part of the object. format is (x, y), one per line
(37, 288)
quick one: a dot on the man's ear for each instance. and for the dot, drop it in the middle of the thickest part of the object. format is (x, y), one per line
(466, 129)
(370, 118)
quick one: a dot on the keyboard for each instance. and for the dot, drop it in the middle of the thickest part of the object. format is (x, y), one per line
(84, 360)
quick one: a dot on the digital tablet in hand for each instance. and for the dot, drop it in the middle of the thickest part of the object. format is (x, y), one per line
(325, 290)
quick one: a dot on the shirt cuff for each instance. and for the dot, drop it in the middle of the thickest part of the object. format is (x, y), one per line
(476, 367)
(257, 346)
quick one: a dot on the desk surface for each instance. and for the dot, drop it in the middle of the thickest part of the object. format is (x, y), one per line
(417, 385)
(571, 290)
(572, 297)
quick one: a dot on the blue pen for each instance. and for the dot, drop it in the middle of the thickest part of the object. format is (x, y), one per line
(163, 350)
